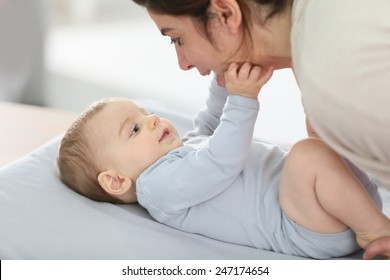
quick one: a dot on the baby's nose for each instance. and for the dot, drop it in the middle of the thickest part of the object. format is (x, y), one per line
(154, 120)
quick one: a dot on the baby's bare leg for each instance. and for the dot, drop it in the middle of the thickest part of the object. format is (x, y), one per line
(320, 192)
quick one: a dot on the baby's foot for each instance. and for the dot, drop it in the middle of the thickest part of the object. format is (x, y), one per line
(363, 239)
(379, 247)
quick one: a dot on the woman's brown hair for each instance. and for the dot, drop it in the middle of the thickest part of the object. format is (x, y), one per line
(198, 10)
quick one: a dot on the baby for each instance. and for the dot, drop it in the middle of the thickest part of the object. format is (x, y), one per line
(218, 181)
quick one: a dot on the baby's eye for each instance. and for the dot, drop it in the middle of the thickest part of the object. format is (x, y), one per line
(135, 130)
(176, 40)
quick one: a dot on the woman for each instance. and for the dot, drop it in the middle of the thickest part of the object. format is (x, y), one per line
(339, 52)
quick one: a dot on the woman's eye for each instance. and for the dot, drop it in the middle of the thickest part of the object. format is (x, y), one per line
(135, 130)
(176, 40)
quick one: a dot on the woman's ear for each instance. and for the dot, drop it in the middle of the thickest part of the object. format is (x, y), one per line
(228, 13)
(113, 183)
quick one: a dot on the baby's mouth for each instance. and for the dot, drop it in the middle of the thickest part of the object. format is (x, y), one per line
(165, 134)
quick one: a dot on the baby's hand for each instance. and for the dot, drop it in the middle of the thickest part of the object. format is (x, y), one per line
(247, 80)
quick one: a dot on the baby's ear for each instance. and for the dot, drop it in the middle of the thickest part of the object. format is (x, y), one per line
(114, 183)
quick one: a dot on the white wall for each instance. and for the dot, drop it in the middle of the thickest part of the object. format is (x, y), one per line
(22, 30)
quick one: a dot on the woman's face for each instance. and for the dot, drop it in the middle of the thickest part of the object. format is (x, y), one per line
(195, 50)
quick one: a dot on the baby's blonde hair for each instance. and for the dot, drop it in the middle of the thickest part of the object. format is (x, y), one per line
(78, 160)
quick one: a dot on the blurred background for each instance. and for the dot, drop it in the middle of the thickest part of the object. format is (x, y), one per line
(66, 54)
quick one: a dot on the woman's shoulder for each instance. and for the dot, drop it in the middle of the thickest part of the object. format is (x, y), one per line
(329, 38)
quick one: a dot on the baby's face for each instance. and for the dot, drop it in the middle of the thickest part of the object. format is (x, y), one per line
(130, 138)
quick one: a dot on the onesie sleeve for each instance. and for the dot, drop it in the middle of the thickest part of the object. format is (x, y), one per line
(184, 179)
(208, 118)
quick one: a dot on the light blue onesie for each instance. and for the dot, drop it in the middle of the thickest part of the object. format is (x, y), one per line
(224, 185)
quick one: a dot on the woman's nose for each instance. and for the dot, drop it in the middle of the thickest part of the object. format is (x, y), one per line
(154, 120)
(184, 64)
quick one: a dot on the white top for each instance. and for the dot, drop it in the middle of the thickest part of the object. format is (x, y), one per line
(341, 59)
